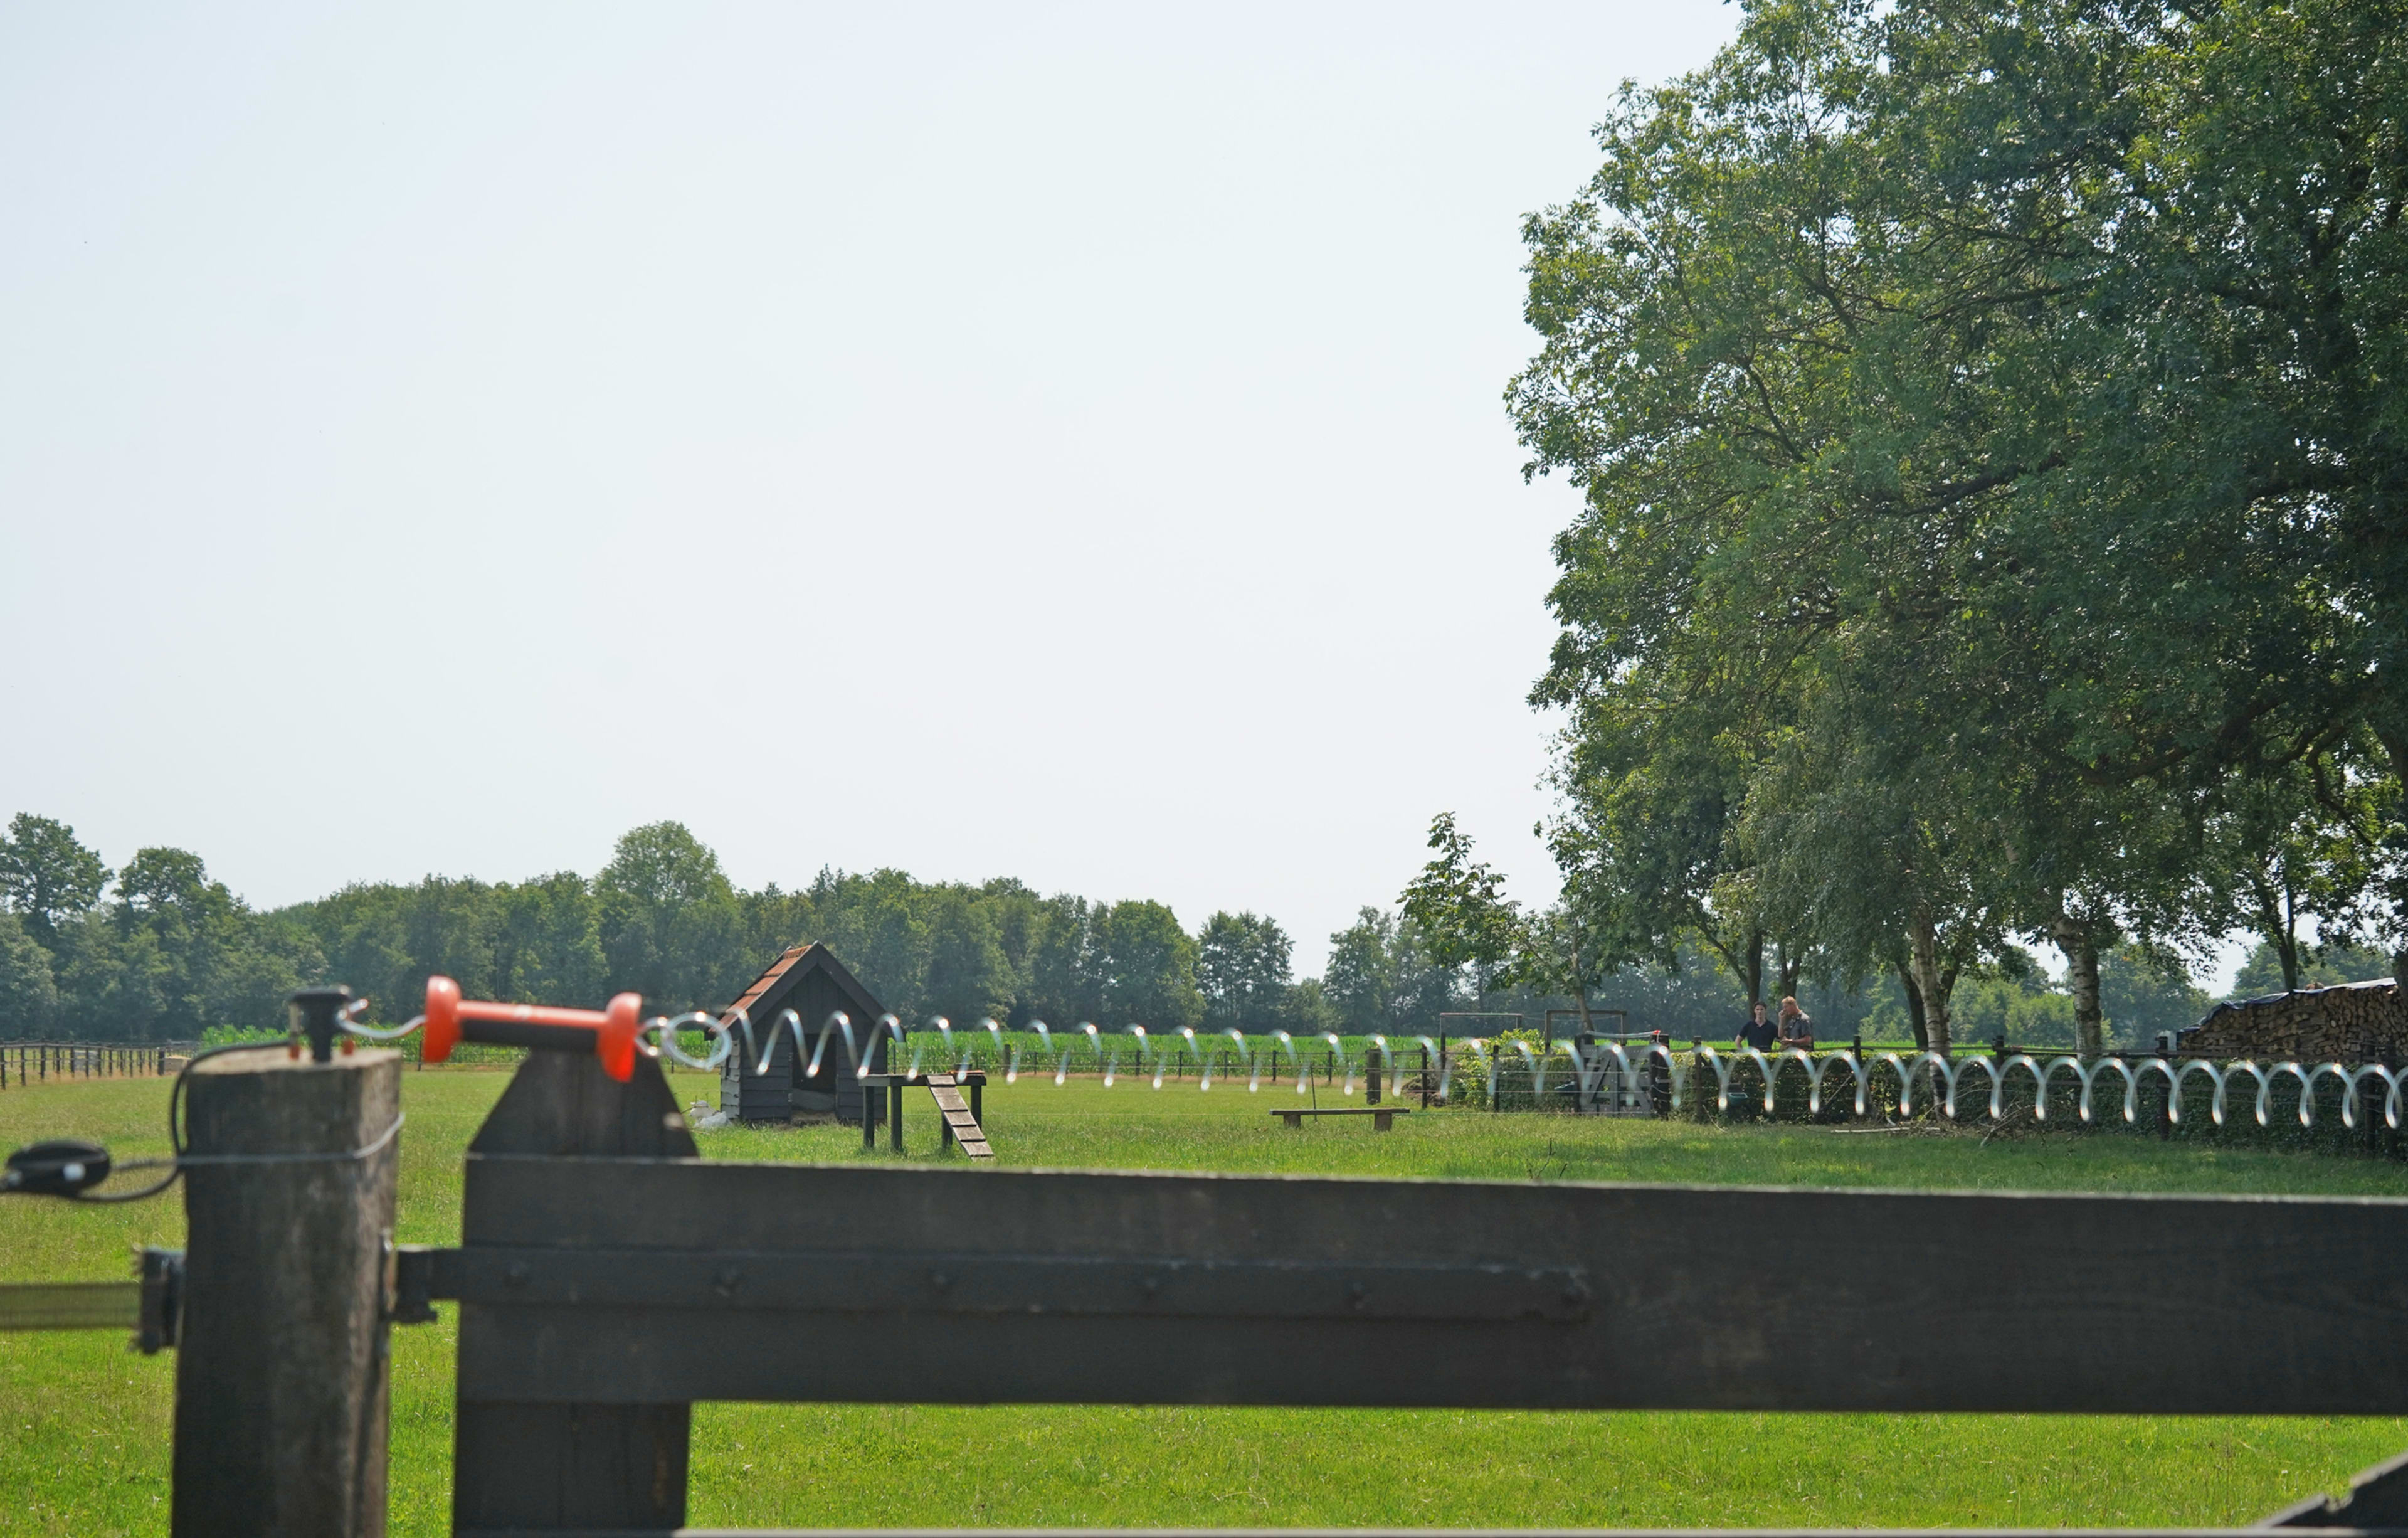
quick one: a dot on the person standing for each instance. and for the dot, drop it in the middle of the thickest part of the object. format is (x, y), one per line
(1759, 1031)
(1797, 1028)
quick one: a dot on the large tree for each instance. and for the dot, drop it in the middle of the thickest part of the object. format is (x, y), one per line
(1988, 401)
(969, 977)
(1147, 963)
(1242, 969)
(46, 876)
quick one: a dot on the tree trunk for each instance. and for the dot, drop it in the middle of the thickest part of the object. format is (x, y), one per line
(1579, 991)
(2395, 747)
(1790, 967)
(1755, 978)
(1923, 940)
(1913, 1006)
(2279, 923)
(2081, 948)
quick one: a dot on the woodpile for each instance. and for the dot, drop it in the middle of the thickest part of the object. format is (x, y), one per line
(2350, 1023)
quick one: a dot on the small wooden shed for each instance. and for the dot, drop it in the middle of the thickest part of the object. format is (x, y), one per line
(811, 981)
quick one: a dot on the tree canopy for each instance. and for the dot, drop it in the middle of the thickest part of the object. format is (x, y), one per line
(1992, 458)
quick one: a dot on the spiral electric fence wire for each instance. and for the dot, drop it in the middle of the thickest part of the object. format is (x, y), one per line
(962, 1054)
(1590, 1072)
(1607, 1065)
(1940, 1081)
(1946, 1079)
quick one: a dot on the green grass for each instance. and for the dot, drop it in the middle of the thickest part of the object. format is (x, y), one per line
(84, 1423)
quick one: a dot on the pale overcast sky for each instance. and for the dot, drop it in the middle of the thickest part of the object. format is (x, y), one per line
(997, 440)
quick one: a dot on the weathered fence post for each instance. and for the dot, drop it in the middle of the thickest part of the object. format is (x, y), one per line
(281, 1366)
(527, 1466)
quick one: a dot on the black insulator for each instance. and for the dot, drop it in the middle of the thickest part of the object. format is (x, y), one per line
(61, 1167)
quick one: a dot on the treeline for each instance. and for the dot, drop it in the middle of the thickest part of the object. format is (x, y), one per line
(1988, 424)
(159, 950)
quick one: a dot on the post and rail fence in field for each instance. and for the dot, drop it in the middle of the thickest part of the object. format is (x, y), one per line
(607, 1279)
(26, 1063)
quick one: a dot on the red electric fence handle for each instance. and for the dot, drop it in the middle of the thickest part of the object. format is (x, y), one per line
(608, 1034)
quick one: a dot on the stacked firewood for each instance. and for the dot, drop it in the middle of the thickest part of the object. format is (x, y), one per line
(2352, 1023)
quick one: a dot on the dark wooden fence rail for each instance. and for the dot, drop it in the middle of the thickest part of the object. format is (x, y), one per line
(607, 1279)
(25, 1063)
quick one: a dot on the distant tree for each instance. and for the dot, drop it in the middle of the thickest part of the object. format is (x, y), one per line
(1458, 909)
(46, 876)
(669, 923)
(176, 952)
(1308, 1009)
(1459, 905)
(2143, 994)
(548, 943)
(2313, 967)
(1060, 982)
(1361, 981)
(2295, 848)
(878, 925)
(663, 865)
(1382, 977)
(29, 994)
(1241, 967)
(362, 934)
(969, 977)
(2016, 1002)
(1148, 963)
(1021, 917)
(175, 955)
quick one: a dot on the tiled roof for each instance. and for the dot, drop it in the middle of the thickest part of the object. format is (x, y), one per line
(762, 984)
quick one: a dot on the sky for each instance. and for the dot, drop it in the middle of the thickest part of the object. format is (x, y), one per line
(1056, 442)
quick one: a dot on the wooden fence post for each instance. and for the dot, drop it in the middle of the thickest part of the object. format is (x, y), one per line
(537, 1467)
(282, 1363)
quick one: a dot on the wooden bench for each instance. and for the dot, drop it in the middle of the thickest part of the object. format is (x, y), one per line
(1383, 1117)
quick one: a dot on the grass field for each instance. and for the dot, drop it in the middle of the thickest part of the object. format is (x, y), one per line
(84, 1423)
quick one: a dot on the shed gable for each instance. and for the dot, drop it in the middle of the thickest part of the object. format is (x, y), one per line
(766, 1080)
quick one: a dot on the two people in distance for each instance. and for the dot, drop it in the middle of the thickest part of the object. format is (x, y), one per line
(1792, 1029)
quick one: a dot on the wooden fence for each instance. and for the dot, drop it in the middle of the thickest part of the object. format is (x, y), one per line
(607, 1279)
(38, 1062)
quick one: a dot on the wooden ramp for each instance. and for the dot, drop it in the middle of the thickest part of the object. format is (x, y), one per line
(960, 1125)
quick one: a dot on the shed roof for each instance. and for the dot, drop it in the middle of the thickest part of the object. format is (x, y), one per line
(767, 994)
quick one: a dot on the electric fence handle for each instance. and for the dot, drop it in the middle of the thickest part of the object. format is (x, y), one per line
(610, 1032)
